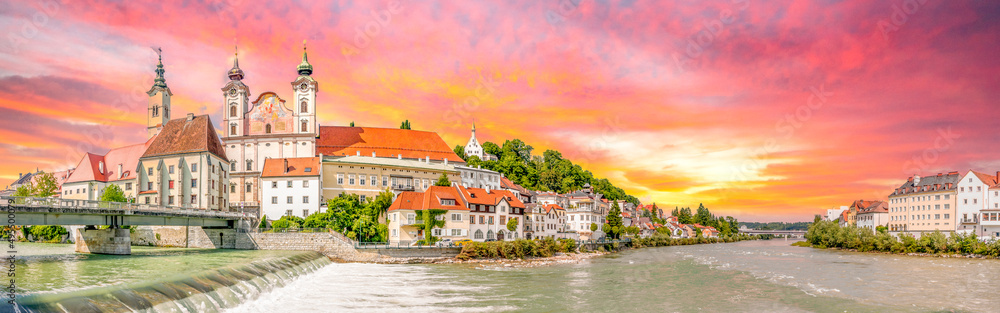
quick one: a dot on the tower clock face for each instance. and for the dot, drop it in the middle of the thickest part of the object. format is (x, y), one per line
(232, 92)
(304, 87)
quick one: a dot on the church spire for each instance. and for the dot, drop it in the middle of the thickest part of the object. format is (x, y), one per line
(305, 68)
(236, 73)
(160, 81)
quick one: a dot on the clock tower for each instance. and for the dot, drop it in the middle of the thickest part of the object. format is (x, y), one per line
(235, 97)
(305, 89)
(158, 106)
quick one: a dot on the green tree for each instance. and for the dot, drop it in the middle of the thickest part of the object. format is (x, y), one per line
(430, 221)
(352, 124)
(405, 125)
(113, 193)
(512, 224)
(593, 227)
(443, 180)
(263, 222)
(317, 220)
(460, 151)
(614, 219)
(492, 148)
(25, 190)
(46, 185)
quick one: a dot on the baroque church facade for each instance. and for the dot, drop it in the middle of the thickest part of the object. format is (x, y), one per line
(269, 126)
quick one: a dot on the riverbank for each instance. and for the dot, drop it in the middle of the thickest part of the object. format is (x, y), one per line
(826, 234)
(805, 244)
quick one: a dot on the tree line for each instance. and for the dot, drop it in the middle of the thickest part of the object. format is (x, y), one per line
(726, 225)
(547, 172)
(776, 225)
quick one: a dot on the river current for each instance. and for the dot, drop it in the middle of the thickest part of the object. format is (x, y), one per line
(751, 276)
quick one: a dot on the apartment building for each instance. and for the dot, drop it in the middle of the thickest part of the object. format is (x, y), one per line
(291, 187)
(924, 204)
(403, 214)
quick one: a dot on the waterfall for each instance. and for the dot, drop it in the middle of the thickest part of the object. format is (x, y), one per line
(209, 291)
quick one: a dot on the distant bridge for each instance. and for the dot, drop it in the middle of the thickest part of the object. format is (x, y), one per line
(788, 233)
(51, 211)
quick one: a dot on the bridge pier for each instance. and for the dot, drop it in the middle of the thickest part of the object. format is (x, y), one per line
(103, 241)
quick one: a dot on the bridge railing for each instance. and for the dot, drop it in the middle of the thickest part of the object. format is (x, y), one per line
(125, 207)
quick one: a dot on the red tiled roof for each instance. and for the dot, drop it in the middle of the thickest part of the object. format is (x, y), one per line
(430, 199)
(297, 167)
(989, 180)
(875, 207)
(480, 196)
(507, 184)
(384, 142)
(183, 136)
(551, 207)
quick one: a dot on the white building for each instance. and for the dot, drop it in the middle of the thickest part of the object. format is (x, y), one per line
(973, 198)
(990, 216)
(478, 177)
(876, 214)
(489, 212)
(266, 128)
(834, 214)
(291, 186)
(474, 148)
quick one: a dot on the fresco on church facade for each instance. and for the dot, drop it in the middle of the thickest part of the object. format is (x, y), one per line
(270, 116)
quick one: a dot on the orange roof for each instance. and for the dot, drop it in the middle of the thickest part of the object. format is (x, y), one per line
(551, 207)
(506, 183)
(430, 199)
(480, 196)
(987, 179)
(296, 167)
(384, 142)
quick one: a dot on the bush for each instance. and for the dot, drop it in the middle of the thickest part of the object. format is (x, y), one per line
(826, 234)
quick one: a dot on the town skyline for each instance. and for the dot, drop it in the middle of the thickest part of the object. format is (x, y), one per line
(827, 127)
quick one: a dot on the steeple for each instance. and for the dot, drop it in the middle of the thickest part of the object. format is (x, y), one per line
(159, 81)
(236, 73)
(305, 68)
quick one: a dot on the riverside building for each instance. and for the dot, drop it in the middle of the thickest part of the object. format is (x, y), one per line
(924, 204)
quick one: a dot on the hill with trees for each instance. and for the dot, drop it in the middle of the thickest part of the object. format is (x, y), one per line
(547, 172)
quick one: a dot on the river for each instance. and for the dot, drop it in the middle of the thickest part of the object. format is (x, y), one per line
(751, 276)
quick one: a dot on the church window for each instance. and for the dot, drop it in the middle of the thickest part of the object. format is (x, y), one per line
(249, 187)
(267, 129)
(305, 107)
(232, 130)
(305, 126)
(232, 111)
(156, 111)
(249, 165)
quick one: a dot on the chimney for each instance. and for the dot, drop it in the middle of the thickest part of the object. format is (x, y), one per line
(190, 117)
(399, 156)
(286, 165)
(359, 153)
(446, 161)
(373, 154)
(916, 179)
(120, 170)
(428, 159)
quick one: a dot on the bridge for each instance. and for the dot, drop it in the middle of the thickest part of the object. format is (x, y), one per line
(781, 233)
(22, 211)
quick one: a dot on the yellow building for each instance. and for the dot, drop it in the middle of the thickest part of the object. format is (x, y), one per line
(403, 216)
(924, 204)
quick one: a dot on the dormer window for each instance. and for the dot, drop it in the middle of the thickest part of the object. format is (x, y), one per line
(100, 167)
(447, 201)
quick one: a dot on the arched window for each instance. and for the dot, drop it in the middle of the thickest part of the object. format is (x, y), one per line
(305, 126)
(305, 107)
(156, 111)
(479, 234)
(489, 235)
(249, 187)
(249, 165)
(232, 111)
(267, 129)
(232, 130)
(232, 166)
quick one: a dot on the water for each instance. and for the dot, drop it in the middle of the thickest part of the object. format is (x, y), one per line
(756, 276)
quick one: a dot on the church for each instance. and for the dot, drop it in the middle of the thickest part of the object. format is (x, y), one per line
(268, 126)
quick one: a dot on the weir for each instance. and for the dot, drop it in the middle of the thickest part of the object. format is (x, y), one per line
(208, 291)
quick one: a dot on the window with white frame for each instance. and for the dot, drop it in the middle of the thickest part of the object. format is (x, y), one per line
(457, 217)
(340, 179)
(305, 199)
(385, 181)
(289, 184)
(350, 179)
(289, 200)
(274, 200)
(305, 184)
(437, 232)
(363, 180)
(395, 232)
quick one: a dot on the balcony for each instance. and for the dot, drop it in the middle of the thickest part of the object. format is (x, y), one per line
(974, 220)
(410, 221)
(402, 187)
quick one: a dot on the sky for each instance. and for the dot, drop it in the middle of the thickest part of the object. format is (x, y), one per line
(767, 111)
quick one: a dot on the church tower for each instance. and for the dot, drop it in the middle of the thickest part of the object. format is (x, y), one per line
(305, 89)
(236, 97)
(473, 147)
(158, 107)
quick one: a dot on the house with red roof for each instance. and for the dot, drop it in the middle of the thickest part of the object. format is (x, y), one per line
(403, 214)
(94, 172)
(185, 166)
(368, 160)
(489, 212)
(291, 187)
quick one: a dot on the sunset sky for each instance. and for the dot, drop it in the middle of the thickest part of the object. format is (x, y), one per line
(766, 111)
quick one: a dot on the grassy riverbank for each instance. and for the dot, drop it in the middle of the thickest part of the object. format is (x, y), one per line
(826, 234)
(545, 248)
